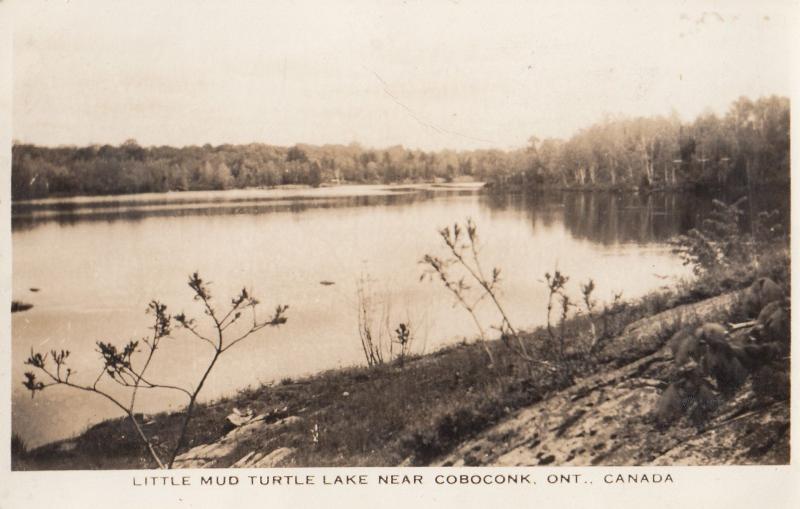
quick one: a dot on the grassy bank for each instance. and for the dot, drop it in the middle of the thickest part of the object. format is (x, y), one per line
(392, 414)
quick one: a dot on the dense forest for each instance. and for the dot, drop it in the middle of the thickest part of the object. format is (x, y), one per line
(749, 145)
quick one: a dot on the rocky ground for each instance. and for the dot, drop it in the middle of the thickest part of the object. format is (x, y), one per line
(608, 420)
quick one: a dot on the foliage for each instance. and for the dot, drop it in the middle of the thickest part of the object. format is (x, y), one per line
(725, 254)
(121, 366)
(748, 146)
(710, 367)
(718, 242)
(722, 242)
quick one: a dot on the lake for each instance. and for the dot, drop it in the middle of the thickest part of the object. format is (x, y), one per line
(97, 262)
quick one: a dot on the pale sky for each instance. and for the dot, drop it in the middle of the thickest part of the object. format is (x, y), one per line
(425, 74)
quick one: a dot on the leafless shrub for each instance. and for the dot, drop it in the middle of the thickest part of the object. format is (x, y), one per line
(119, 365)
(600, 318)
(379, 341)
(571, 352)
(462, 274)
(556, 295)
(372, 329)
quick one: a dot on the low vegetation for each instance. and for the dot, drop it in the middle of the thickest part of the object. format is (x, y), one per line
(713, 361)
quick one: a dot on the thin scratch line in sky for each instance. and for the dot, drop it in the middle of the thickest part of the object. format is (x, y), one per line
(416, 117)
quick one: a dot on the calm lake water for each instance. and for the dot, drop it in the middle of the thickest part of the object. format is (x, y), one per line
(97, 262)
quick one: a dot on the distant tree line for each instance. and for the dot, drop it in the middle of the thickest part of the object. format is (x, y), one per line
(748, 146)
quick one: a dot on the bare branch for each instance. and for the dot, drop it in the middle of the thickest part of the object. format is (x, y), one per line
(118, 363)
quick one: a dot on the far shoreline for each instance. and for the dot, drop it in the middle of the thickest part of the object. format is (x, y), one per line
(290, 190)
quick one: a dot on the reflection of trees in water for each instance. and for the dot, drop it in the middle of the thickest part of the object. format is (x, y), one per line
(602, 217)
(610, 218)
(28, 216)
(546, 209)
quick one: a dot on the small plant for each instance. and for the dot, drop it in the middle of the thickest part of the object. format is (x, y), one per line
(121, 366)
(717, 242)
(555, 287)
(768, 228)
(460, 271)
(600, 321)
(706, 368)
(587, 289)
(721, 241)
(570, 353)
(373, 333)
(403, 339)
(379, 343)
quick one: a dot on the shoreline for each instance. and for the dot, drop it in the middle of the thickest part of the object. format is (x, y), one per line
(93, 199)
(459, 183)
(415, 427)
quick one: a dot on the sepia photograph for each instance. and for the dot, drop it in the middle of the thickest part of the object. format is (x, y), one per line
(288, 235)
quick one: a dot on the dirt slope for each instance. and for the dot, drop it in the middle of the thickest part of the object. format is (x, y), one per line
(607, 419)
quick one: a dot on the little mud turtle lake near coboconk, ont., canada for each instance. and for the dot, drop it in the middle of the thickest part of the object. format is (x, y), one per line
(417, 235)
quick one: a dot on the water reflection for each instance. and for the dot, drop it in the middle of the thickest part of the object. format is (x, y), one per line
(621, 218)
(26, 216)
